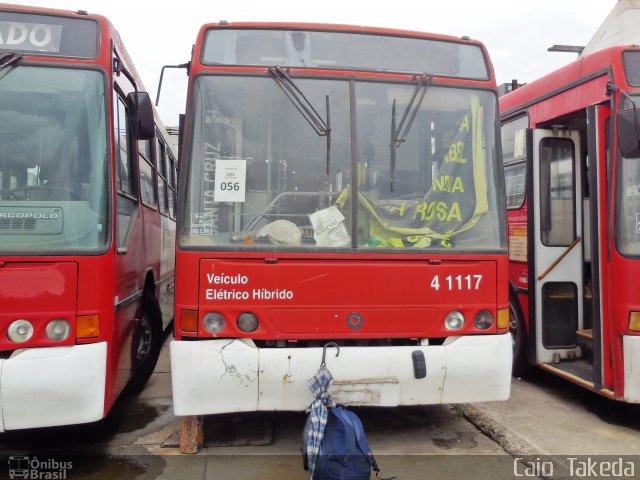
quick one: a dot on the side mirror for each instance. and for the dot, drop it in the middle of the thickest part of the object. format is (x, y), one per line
(628, 134)
(141, 115)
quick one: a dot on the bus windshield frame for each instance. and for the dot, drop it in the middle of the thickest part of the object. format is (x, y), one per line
(54, 160)
(429, 197)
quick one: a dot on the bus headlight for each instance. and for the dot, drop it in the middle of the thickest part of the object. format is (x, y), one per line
(483, 320)
(58, 330)
(20, 331)
(213, 322)
(247, 322)
(454, 320)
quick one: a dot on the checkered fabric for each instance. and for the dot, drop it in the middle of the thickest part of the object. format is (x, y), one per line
(319, 386)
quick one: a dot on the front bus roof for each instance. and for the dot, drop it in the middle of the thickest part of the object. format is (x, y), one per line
(322, 46)
(601, 67)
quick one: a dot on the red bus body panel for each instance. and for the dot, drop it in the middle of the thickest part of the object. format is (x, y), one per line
(385, 304)
(548, 100)
(42, 287)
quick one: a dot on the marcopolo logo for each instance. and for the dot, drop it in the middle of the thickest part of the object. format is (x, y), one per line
(38, 469)
(28, 215)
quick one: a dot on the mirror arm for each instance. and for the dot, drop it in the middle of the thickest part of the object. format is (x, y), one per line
(182, 65)
(119, 68)
(613, 88)
(636, 120)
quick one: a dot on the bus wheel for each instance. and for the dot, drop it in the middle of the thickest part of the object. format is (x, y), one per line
(518, 333)
(147, 342)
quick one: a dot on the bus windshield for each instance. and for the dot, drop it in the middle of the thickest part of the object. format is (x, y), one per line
(259, 175)
(53, 160)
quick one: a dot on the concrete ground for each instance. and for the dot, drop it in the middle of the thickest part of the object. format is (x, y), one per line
(549, 416)
(562, 431)
(545, 416)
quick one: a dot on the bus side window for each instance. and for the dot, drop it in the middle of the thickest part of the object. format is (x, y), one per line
(146, 167)
(123, 148)
(171, 183)
(514, 157)
(126, 201)
(557, 202)
(162, 175)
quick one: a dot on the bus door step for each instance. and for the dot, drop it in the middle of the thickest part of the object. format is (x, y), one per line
(585, 342)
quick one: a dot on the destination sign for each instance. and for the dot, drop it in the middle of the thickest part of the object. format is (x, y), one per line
(30, 36)
(48, 35)
(344, 50)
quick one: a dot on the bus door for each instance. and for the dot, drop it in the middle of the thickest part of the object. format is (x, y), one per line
(556, 215)
(595, 337)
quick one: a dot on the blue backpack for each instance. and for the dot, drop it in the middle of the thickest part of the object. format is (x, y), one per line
(344, 452)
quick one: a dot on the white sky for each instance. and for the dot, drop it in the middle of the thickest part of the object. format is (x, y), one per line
(517, 33)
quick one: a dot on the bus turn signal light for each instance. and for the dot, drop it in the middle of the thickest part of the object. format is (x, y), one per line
(503, 318)
(189, 320)
(88, 326)
(634, 321)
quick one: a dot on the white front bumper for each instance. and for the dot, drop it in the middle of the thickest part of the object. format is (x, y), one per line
(631, 350)
(220, 376)
(43, 387)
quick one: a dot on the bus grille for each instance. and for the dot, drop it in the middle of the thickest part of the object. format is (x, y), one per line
(28, 220)
(17, 225)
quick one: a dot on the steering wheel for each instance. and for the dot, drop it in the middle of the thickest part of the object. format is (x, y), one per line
(41, 192)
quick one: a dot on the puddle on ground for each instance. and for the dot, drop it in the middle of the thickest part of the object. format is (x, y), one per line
(450, 440)
(102, 467)
(136, 417)
(85, 438)
(398, 418)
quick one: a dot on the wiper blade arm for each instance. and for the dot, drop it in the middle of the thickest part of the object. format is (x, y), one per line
(319, 125)
(422, 86)
(398, 135)
(392, 147)
(9, 58)
(300, 101)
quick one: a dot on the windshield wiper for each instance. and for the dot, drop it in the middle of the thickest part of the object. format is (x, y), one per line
(9, 58)
(398, 135)
(319, 125)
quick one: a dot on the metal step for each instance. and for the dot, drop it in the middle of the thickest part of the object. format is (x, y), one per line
(585, 342)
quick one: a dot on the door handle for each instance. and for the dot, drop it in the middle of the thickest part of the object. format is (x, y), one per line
(559, 259)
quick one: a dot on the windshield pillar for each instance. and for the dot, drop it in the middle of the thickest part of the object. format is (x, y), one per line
(354, 162)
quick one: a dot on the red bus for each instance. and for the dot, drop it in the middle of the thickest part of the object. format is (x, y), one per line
(339, 184)
(573, 198)
(87, 228)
